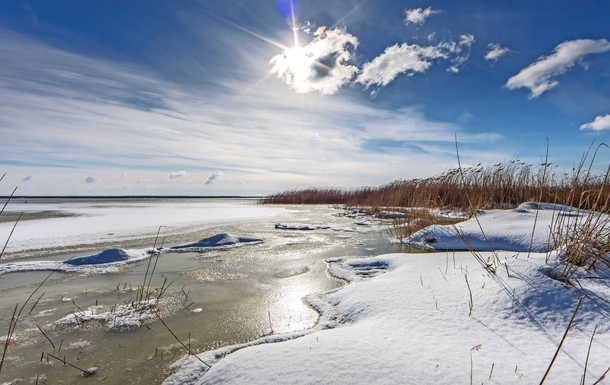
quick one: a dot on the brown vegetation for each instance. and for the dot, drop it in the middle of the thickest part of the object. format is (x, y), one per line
(502, 185)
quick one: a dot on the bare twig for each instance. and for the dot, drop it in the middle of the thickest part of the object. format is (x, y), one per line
(471, 303)
(46, 336)
(584, 374)
(10, 235)
(603, 376)
(562, 340)
(188, 349)
(86, 372)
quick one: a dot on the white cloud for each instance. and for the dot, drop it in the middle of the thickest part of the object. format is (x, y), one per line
(212, 178)
(539, 76)
(600, 123)
(495, 51)
(177, 174)
(143, 181)
(410, 59)
(396, 60)
(459, 50)
(320, 66)
(27, 178)
(241, 183)
(418, 15)
(123, 175)
(91, 179)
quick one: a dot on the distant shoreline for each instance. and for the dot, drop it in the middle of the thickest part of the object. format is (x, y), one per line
(132, 196)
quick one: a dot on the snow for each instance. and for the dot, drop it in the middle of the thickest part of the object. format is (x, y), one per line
(218, 241)
(106, 222)
(125, 316)
(499, 230)
(107, 261)
(109, 256)
(436, 317)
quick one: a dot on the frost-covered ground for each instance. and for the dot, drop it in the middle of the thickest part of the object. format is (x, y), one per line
(437, 318)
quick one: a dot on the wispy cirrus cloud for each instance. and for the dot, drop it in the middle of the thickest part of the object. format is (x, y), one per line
(321, 65)
(540, 75)
(599, 124)
(418, 16)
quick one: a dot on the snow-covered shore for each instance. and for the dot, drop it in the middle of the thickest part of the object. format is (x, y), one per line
(436, 318)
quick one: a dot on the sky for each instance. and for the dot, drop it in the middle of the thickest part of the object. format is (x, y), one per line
(190, 97)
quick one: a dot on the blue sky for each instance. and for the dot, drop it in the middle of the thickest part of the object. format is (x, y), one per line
(242, 97)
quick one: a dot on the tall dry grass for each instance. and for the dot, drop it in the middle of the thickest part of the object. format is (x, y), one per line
(502, 185)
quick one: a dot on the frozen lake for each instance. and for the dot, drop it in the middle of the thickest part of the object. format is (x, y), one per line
(216, 297)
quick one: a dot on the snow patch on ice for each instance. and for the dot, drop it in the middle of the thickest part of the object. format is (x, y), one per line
(223, 240)
(119, 317)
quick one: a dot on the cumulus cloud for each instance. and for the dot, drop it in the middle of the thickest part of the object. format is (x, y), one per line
(91, 179)
(600, 123)
(495, 51)
(212, 178)
(539, 76)
(418, 15)
(412, 58)
(176, 174)
(320, 66)
(27, 178)
(396, 60)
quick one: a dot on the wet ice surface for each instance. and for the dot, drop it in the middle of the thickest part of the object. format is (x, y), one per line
(216, 297)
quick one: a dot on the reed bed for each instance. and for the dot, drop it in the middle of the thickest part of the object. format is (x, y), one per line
(503, 185)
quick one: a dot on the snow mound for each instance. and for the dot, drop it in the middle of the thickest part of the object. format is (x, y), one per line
(109, 256)
(223, 240)
(108, 261)
(509, 230)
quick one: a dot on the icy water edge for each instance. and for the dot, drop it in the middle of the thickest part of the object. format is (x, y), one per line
(216, 298)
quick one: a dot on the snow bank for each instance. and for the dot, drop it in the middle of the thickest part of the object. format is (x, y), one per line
(409, 322)
(107, 261)
(223, 240)
(499, 230)
(299, 227)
